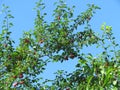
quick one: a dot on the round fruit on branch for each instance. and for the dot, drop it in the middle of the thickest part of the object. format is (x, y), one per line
(15, 84)
(21, 82)
(21, 75)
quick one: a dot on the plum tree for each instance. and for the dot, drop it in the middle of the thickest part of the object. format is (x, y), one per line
(59, 41)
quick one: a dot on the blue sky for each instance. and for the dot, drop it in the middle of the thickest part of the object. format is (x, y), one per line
(24, 21)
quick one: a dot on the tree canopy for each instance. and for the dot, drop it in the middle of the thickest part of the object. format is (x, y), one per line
(59, 41)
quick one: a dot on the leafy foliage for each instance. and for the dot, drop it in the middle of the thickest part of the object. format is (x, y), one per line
(18, 64)
(59, 41)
